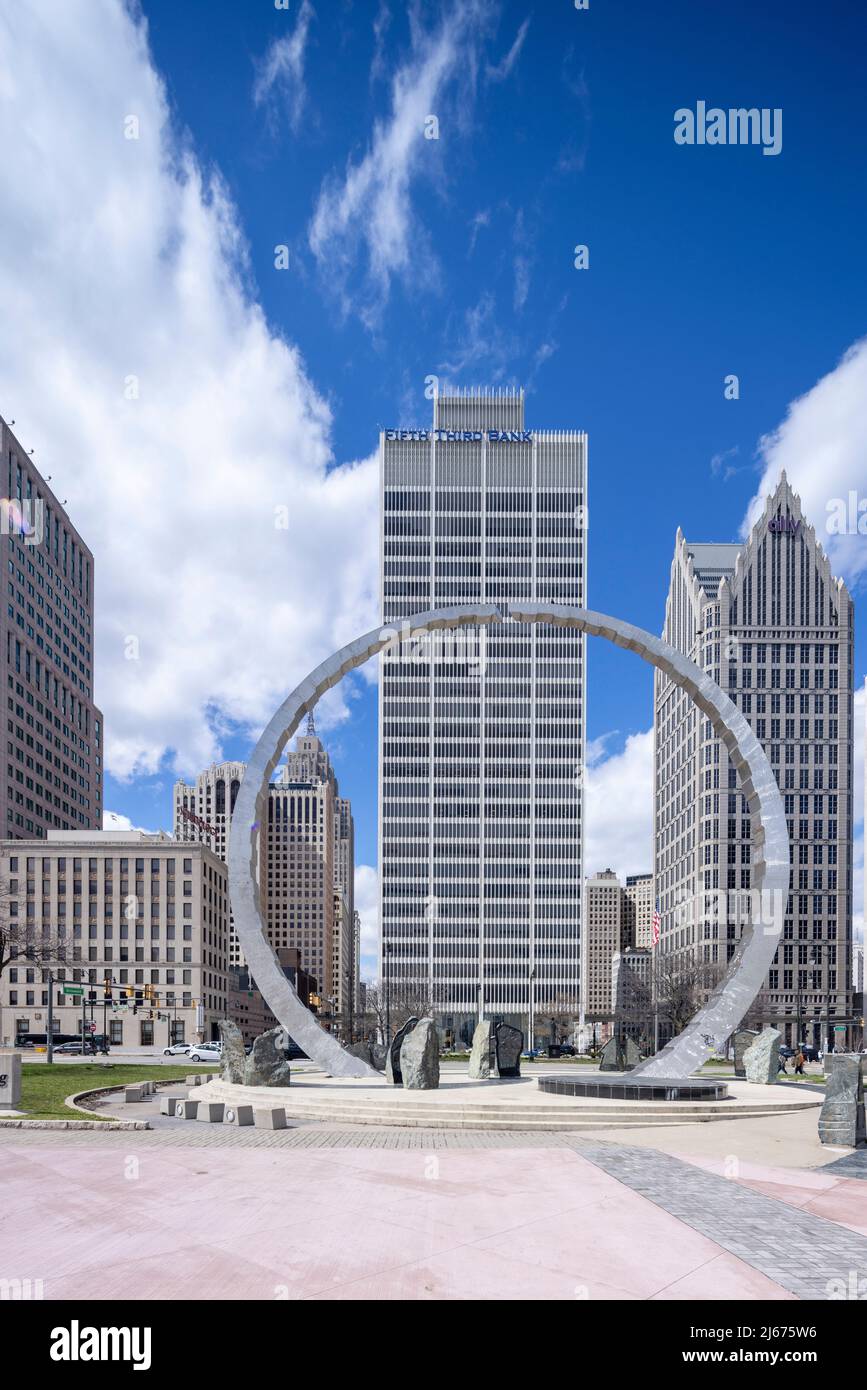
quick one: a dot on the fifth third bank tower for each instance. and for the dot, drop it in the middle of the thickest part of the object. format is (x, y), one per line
(481, 732)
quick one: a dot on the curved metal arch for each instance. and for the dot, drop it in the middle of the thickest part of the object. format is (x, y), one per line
(722, 1013)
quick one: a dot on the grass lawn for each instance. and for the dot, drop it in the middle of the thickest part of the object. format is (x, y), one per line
(44, 1088)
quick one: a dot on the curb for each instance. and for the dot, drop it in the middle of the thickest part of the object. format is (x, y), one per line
(73, 1124)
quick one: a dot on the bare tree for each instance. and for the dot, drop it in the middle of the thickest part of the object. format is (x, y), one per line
(681, 985)
(389, 1007)
(19, 939)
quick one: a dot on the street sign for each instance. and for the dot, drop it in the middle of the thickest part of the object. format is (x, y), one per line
(72, 989)
(839, 1029)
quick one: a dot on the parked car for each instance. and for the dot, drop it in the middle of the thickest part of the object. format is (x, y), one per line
(205, 1052)
(176, 1049)
(72, 1048)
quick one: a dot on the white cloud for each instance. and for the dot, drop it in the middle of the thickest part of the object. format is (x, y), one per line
(820, 443)
(367, 906)
(502, 70)
(619, 807)
(366, 214)
(120, 258)
(480, 344)
(282, 68)
(112, 820)
(381, 26)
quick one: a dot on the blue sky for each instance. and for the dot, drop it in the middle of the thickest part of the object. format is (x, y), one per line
(410, 257)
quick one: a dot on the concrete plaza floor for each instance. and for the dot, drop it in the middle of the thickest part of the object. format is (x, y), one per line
(750, 1209)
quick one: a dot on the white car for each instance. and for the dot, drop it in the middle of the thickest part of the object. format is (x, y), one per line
(205, 1052)
(176, 1049)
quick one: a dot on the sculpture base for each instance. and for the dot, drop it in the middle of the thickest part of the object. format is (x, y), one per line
(625, 1086)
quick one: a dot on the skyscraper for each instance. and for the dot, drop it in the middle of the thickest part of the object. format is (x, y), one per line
(306, 851)
(52, 776)
(639, 907)
(481, 734)
(771, 624)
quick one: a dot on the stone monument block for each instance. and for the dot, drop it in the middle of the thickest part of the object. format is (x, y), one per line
(762, 1058)
(10, 1080)
(481, 1059)
(238, 1115)
(186, 1109)
(268, 1064)
(269, 1117)
(233, 1059)
(508, 1045)
(377, 1055)
(210, 1111)
(841, 1119)
(744, 1038)
(392, 1055)
(420, 1057)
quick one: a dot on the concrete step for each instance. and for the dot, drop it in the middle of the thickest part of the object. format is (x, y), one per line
(401, 1109)
(522, 1120)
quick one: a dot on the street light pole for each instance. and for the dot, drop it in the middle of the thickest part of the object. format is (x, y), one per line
(50, 1038)
(531, 1039)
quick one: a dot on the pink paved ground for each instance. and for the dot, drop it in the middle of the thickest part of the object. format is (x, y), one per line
(830, 1195)
(350, 1224)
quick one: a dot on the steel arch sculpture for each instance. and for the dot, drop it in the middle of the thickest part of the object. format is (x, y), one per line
(727, 1005)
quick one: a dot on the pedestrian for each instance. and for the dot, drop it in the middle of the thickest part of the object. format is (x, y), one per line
(782, 1066)
(799, 1063)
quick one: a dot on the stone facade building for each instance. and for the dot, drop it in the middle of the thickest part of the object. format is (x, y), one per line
(306, 849)
(51, 777)
(140, 923)
(769, 622)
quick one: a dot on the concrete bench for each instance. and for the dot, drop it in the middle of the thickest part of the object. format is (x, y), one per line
(186, 1109)
(238, 1115)
(269, 1119)
(168, 1105)
(211, 1111)
(133, 1094)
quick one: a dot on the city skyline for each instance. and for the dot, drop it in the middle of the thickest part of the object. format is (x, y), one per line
(194, 647)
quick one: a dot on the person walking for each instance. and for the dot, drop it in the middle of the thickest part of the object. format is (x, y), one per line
(799, 1063)
(782, 1066)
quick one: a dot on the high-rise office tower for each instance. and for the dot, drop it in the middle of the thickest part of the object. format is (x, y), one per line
(481, 738)
(771, 624)
(52, 776)
(307, 850)
(639, 907)
(606, 933)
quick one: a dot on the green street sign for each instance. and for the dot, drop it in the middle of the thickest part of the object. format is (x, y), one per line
(73, 989)
(838, 1029)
